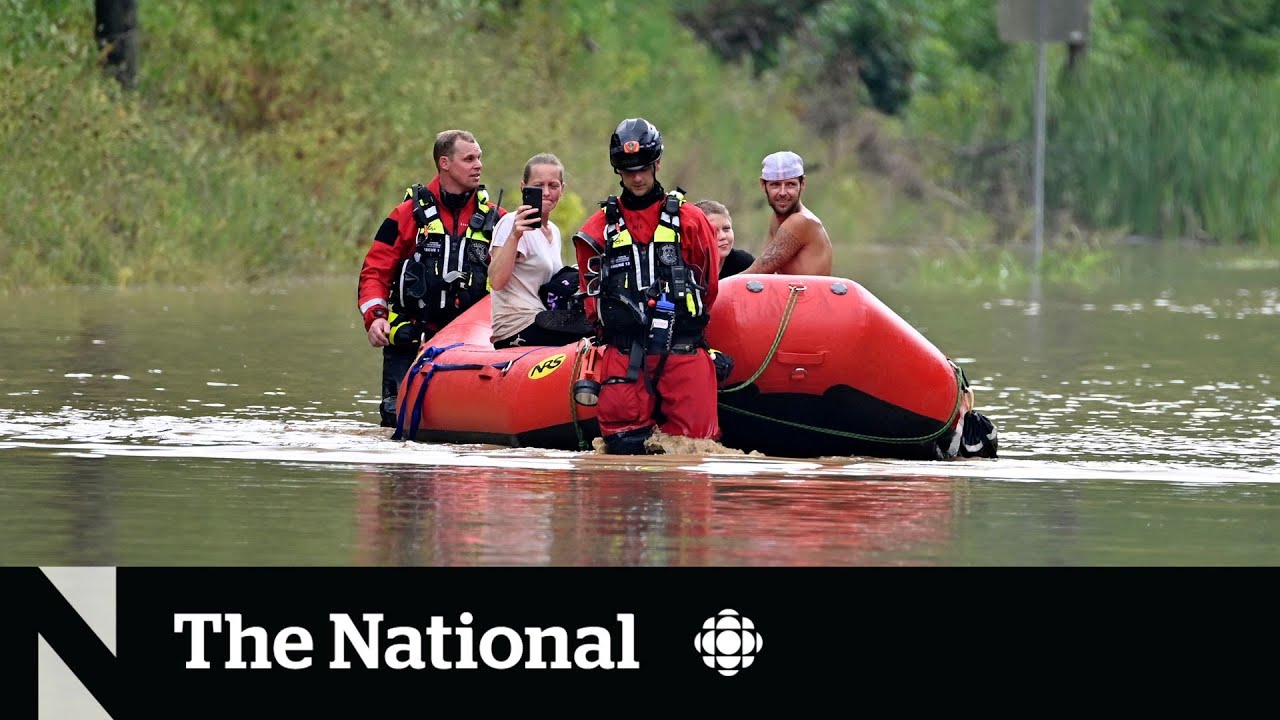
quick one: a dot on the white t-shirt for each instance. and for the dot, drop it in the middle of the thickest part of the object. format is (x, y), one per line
(516, 304)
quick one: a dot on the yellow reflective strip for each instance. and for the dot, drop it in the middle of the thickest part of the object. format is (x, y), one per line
(623, 239)
(688, 301)
(664, 234)
(435, 227)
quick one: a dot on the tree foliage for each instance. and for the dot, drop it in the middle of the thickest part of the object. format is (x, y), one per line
(1231, 34)
(941, 66)
(876, 38)
(745, 30)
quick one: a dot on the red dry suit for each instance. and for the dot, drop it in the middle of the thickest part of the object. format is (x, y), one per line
(686, 387)
(395, 241)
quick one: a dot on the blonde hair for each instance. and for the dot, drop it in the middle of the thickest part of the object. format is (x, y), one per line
(542, 159)
(711, 207)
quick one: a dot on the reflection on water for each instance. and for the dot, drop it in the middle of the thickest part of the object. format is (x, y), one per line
(1139, 425)
(488, 506)
(87, 496)
(615, 517)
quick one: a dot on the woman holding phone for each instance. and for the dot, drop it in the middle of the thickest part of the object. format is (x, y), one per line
(519, 268)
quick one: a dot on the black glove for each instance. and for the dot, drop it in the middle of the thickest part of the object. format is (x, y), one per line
(724, 365)
(981, 439)
(409, 333)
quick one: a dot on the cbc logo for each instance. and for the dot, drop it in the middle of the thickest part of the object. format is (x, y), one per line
(728, 642)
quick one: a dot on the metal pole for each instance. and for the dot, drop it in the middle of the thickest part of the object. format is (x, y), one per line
(1040, 132)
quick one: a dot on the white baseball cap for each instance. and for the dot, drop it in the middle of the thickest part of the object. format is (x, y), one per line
(782, 166)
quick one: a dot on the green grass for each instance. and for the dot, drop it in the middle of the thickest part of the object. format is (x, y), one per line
(1155, 147)
(1172, 152)
(271, 138)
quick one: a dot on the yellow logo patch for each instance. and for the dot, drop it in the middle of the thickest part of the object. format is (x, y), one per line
(546, 367)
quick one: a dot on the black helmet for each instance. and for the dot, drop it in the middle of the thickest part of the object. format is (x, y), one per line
(635, 145)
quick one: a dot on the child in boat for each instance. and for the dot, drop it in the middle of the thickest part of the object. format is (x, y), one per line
(732, 260)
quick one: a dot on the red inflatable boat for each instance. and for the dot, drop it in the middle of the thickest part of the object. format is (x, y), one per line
(821, 368)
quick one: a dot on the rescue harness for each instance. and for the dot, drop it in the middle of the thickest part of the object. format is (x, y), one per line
(446, 274)
(648, 301)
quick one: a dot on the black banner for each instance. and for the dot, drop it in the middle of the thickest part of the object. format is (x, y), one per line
(246, 642)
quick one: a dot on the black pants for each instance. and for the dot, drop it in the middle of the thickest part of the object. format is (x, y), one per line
(535, 335)
(396, 360)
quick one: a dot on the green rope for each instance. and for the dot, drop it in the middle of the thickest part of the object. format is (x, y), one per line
(773, 349)
(573, 403)
(777, 340)
(856, 436)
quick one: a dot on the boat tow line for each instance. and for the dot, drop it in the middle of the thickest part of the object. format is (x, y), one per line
(777, 340)
(429, 356)
(946, 425)
(773, 349)
(584, 347)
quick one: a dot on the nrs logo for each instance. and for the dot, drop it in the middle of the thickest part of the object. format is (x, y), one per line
(546, 367)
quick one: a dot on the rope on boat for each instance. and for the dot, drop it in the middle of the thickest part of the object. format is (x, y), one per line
(792, 298)
(777, 340)
(584, 346)
(426, 357)
(955, 411)
(409, 430)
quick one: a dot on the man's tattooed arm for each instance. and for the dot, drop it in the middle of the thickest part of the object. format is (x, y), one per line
(784, 246)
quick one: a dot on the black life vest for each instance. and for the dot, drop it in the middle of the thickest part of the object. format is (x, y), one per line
(635, 278)
(445, 275)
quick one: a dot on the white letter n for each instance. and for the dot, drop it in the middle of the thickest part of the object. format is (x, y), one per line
(344, 629)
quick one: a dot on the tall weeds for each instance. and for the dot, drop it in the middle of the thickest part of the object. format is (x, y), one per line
(1157, 149)
(272, 138)
(1171, 152)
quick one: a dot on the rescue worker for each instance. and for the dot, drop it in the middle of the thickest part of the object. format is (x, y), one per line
(649, 266)
(428, 261)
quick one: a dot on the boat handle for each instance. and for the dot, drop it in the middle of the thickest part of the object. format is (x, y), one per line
(795, 358)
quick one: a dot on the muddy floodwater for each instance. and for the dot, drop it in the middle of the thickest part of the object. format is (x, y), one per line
(1139, 425)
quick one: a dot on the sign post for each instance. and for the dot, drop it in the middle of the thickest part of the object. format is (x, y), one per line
(1041, 21)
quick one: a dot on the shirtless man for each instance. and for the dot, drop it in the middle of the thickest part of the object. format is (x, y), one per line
(797, 242)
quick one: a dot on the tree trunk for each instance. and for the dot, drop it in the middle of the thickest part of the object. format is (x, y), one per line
(116, 30)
